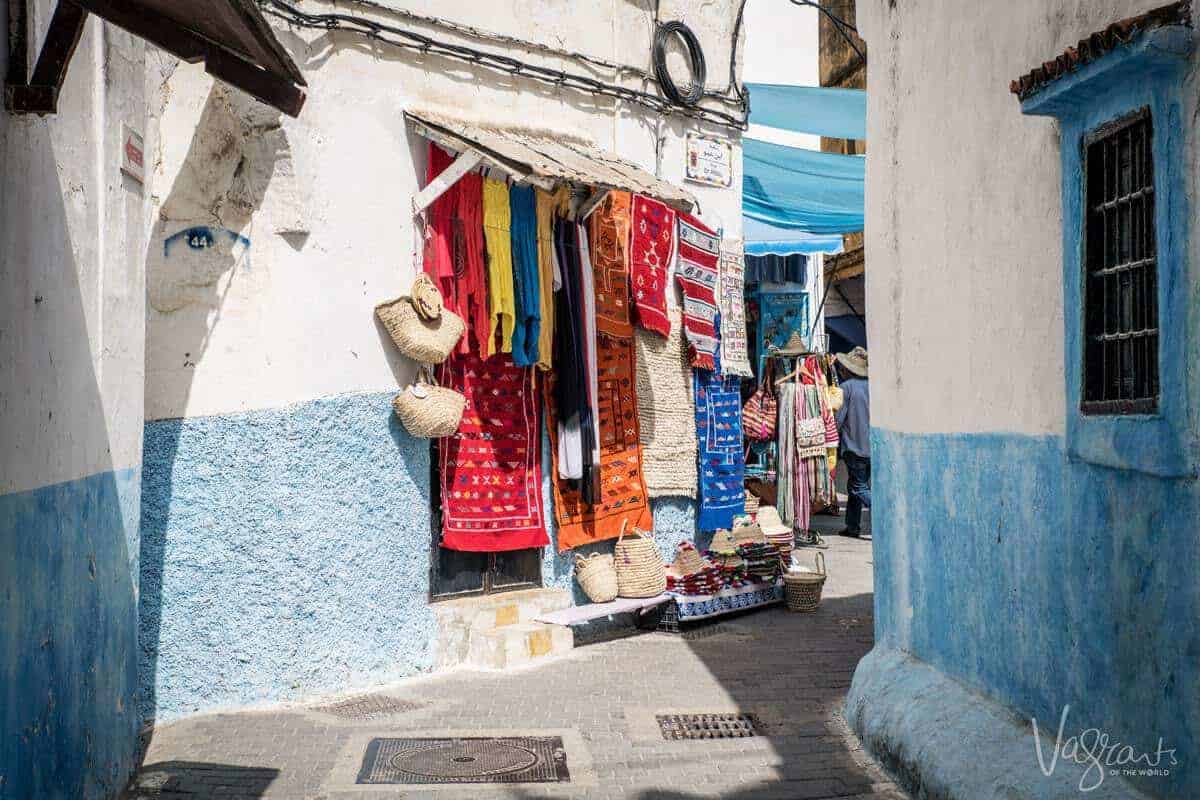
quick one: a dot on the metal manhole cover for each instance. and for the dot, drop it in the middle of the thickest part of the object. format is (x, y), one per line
(367, 706)
(517, 759)
(708, 726)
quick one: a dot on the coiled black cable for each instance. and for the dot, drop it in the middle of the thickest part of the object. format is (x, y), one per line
(695, 59)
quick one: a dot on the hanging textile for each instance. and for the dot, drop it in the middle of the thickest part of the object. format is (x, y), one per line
(764, 239)
(591, 358)
(777, 269)
(699, 249)
(438, 256)
(526, 293)
(573, 429)
(491, 469)
(621, 497)
(470, 268)
(722, 461)
(780, 314)
(652, 246)
(497, 231)
(545, 203)
(785, 433)
(804, 190)
(666, 412)
(735, 359)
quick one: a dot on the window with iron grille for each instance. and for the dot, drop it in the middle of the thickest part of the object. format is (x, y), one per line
(1121, 326)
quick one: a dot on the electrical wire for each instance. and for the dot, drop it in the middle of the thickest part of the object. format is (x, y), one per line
(422, 43)
(842, 26)
(662, 35)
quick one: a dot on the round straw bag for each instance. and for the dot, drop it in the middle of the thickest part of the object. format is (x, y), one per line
(640, 571)
(597, 577)
(428, 341)
(429, 411)
(804, 588)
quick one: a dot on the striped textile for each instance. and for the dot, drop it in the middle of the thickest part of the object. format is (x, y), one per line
(699, 249)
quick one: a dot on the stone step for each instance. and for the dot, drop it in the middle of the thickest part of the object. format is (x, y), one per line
(460, 622)
(518, 644)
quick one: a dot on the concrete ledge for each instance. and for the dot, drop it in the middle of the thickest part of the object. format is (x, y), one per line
(942, 741)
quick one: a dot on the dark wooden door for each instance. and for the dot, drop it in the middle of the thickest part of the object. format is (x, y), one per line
(454, 573)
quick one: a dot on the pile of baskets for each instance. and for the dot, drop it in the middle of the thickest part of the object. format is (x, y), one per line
(635, 570)
(804, 587)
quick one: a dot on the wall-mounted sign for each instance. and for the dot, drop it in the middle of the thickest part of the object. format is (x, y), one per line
(133, 157)
(709, 160)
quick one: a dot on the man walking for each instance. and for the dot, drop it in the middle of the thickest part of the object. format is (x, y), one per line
(854, 431)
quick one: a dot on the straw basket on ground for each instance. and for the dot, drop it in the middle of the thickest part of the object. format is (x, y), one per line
(804, 588)
(597, 577)
(640, 570)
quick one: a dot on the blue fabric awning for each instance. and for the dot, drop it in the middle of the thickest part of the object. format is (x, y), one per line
(763, 239)
(839, 113)
(845, 333)
(802, 190)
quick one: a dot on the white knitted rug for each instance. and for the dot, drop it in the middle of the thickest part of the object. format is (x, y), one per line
(666, 412)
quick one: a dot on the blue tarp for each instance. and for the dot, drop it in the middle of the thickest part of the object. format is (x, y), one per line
(839, 113)
(767, 240)
(802, 190)
(845, 333)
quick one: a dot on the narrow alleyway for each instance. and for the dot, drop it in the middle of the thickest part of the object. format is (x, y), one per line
(790, 670)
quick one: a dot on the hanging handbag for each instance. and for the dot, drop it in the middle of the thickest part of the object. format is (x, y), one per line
(836, 395)
(429, 411)
(761, 410)
(810, 437)
(421, 328)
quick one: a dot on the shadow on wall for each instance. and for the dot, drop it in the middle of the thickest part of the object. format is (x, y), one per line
(195, 254)
(68, 601)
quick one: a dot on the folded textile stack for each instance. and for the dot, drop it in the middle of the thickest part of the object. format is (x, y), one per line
(752, 503)
(762, 560)
(691, 574)
(731, 566)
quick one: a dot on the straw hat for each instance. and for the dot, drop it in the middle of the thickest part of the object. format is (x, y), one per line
(769, 521)
(795, 346)
(722, 542)
(855, 361)
(749, 534)
(687, 561)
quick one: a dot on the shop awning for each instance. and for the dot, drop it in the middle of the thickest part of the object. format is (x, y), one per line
(802, 190)
(764, 239)
(231, 37)
(545, 157)
(821, 110)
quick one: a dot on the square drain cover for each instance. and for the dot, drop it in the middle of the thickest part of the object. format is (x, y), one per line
(707, 726)
(367, 707)
(517, 759)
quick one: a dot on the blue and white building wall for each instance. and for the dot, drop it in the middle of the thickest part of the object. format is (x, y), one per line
(72, 228)
(1030, 563)
(285, 511)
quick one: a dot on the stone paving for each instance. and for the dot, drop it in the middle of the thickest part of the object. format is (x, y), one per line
(791, 670)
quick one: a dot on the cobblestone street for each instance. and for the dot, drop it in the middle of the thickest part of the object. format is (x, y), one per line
(790, 670)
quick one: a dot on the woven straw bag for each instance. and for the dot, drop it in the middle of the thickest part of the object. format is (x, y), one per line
(640, 570)
(760, 412)
(804, 588)
(427, 341)
(429, 411)
(837, 397)
(597, 577)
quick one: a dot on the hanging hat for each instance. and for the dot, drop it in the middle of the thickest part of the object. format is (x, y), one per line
(426, 298)
(769, 521)
(795, 346)
(855, 361)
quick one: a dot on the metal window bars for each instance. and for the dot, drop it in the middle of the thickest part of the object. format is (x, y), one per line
(1120, 293)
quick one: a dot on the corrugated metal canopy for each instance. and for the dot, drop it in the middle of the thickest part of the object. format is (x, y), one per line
(544, 157)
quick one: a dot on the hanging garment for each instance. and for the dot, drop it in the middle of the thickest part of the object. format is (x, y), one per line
(652, 246)
(573, 429)
(497, 230)
(699, 249)
(666, 412)
(547, 283)
(722, 460)
(590, 358)
(491, 469)
(470, 269)
(526, 278)
(735, 358)
(786, 460)
(792, 268)
(438, 257)
(620, 498)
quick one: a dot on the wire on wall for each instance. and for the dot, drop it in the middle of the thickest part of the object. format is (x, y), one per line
(427, 44)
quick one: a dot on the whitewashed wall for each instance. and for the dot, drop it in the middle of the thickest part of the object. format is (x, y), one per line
(972, 289)
(324, 200)
(782, 46)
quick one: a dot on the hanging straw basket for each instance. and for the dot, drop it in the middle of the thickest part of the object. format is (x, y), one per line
(804, 588)
(427, 341)
(640, 571)
(429, 411)
(597, 577)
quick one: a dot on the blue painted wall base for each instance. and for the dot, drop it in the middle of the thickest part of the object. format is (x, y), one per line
(68, 638)
(1042, 582)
